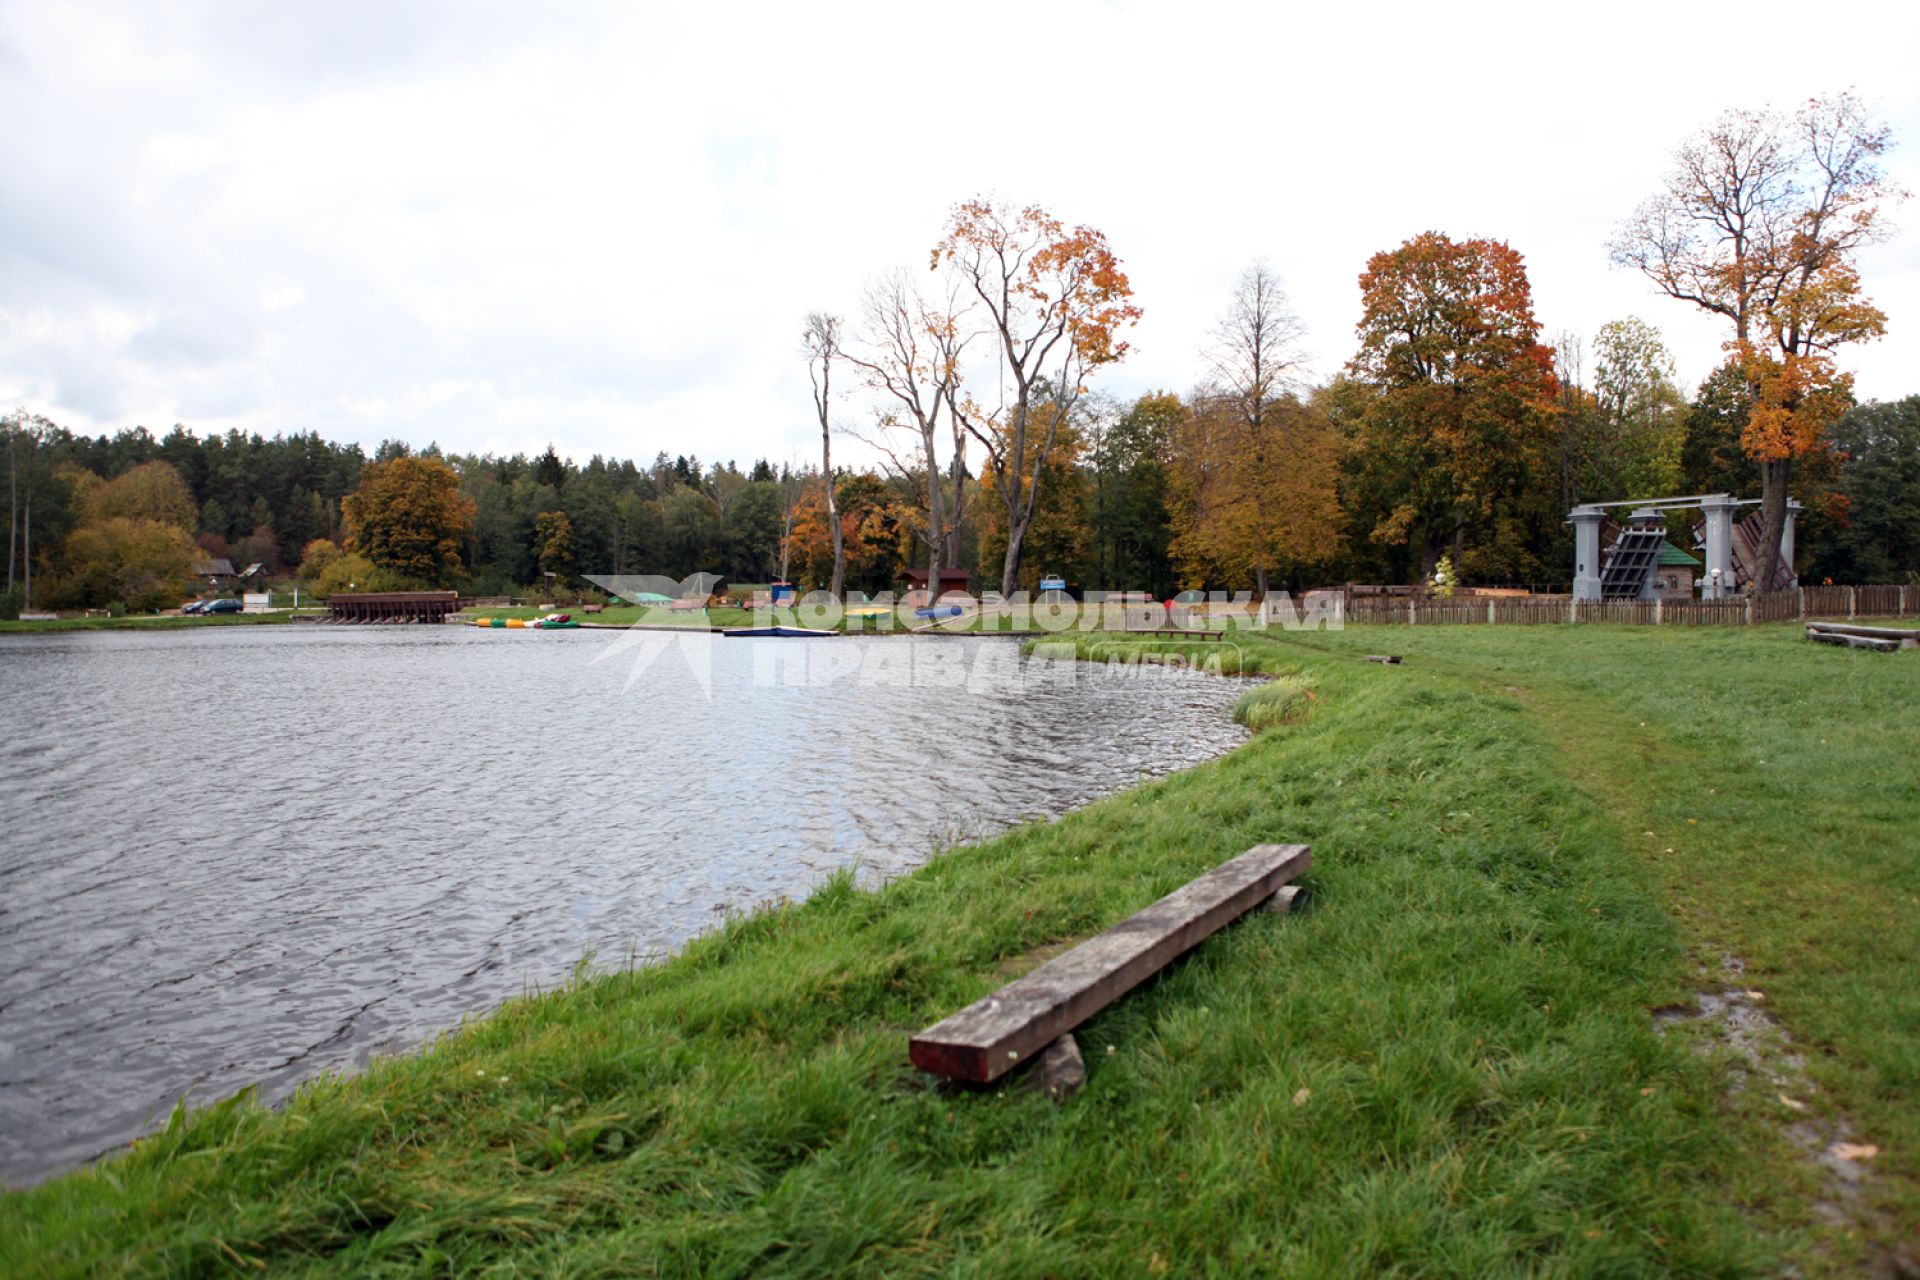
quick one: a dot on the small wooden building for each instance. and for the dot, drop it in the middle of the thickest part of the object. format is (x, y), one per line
(950, 580)
(215, 575)
(1674, 573)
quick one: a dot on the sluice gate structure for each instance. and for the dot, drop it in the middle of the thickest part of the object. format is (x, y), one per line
(393, 606)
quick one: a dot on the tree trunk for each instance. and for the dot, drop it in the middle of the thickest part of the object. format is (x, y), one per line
(26, 558)
(839, 544)
(1019, 516)
(833, 511)
(959, 511)
(1010, 567)
(1774, 476)
(1259, 585)
(13, 507)
(936, 533)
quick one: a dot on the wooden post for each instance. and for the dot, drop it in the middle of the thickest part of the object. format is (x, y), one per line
(1489, 610)
(1850, 604)
(1410, 617)
(1746, 614)
(1658, 603)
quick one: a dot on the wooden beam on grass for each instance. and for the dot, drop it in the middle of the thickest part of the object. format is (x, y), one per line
(990, 1037)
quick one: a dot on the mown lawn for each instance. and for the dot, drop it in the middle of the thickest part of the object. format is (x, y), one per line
(144, 622)
(1447, 1067)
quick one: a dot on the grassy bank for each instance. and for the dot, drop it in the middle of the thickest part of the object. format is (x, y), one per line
(161, 622)
(1449, 1066)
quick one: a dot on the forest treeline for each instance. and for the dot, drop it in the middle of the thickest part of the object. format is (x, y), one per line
(1117, 511)
(1458, 431)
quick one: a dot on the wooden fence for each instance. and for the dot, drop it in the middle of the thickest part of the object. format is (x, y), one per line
(1885, 601)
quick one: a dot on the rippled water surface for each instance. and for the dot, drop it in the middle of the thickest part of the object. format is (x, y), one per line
(243, 855)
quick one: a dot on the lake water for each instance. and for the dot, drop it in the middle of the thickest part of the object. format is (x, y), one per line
(245, 855)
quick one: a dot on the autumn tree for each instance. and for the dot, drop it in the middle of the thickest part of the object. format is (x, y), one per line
(1053, 301)
(150, 491)
(1452, 431)
(1255, 470)
(1246, 501)
(131, 560)
(876, 533)
(909, 355)
(821, 341)
(1759, 222)
(409, 517)
(1056, 528)
(554, 545)
(317, 557)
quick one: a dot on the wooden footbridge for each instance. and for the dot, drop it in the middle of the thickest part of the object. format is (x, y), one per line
(392, 606)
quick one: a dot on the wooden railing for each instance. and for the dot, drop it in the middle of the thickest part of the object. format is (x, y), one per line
(1878, 601)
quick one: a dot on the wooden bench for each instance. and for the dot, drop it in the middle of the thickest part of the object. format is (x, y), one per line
(687, 606)
(991, 1037)
(592, 608)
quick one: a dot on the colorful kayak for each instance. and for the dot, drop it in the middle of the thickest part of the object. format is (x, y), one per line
(559, 622)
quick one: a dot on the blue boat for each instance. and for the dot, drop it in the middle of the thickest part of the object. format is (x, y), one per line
(939, 611)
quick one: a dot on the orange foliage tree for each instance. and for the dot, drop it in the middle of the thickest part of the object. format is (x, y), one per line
(876, 534)
(1455, 430)
(1054, 301)
(410, 518)
(1758, 223)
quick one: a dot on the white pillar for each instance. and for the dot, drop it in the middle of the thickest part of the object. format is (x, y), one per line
(1586, 551)
(1718, 583)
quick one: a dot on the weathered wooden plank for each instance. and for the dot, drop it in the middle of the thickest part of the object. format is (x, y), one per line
(990, 1037)
(1853, 642)
(1902, 637)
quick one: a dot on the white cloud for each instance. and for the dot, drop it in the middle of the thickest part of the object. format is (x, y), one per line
(492, 226)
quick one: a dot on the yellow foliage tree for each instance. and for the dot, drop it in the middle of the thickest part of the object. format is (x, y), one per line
(410, 518)
(143, 564)
(1248, 497)
(150, 491)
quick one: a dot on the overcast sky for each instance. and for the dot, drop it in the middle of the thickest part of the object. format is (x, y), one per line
(498, 226)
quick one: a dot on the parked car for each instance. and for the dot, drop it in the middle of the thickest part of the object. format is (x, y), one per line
(193, 606)
(226, 604)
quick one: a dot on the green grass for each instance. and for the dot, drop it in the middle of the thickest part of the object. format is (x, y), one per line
(1447, 1067)
(136, 622)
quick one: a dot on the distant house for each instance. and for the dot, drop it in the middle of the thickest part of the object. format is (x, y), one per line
(950, 580)
(1674, 573)
(217, 575)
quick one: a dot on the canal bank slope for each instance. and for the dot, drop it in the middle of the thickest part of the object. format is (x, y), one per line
(1450, 1065)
